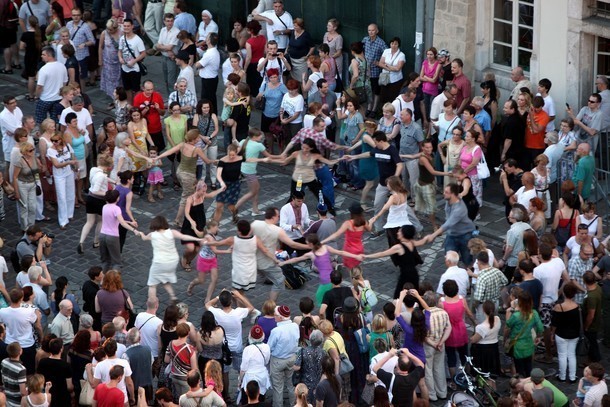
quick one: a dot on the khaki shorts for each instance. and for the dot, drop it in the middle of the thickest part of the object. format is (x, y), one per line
(425, 198)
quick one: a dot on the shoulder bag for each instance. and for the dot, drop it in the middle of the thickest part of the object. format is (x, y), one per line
(482, 168)
(345, 365)
(339, 88)
(562, 234)
(143, 69)
(259, 104)
(168, 367)
(509, 344)
(227, 358)
(132, 315)
(360, 91)
(85, 398)
(384, 77)
(38, 189)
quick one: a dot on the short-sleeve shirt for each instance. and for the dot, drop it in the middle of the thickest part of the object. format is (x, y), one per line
(324, 392)
(291, 105)
(13, 374)
(410, 137)
(514, 239)
(464, 88)
(102, 372)
(590, 119)
(536, 140)
(153, 118)
(56, 371)
(108, 396)
(253, 150)
(283, 22)
(52, 76)
(593, 300)
(534, 287)
(41, 10)
(110, 221)
(334, 299)
(386, 162)
(593, 396)
(403, 387)
(64, 156)
(488, 335)
(136, 45)
(231, 322)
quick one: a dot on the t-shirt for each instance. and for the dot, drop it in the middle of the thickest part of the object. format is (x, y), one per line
(18, 323)
(524, 197)
(253, 150)
(488, 335)
(147, 324)
(102, 372)
(110, 220)
(56, 371)
(513, 128)
(593, 396)
(281, 23)
(403, 386)
(231, 322)
(334, 299)
(324, 392)
(291, 105)
(40, 9)
(549, 274)
(593, 300)
(584, 173)
(386, 162)
(534, 287)
(211, 400)
(13, 374)
(536, 140)
(52, 76)
(108, 396)
(137, 46)
(64, 156)
(543, 397)
(153, 118)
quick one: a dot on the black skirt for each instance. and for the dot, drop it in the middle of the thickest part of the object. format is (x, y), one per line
(486, 357)
(95, 205)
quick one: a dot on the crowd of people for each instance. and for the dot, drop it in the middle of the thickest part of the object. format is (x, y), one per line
(365, 125)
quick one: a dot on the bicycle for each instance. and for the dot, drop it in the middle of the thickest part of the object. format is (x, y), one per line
(480, 387)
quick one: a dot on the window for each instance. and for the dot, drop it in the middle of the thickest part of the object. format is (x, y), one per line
(602, 56)
(513, 31)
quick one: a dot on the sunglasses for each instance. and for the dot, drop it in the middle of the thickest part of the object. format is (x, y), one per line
(55, 141)
(31, 150)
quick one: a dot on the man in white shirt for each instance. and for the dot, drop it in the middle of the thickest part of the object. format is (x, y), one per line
(550, 272)
(131, 51)
(51, 78)
(279, 24)
(294, 218)
(273, 59)
(85, 122)
(147, 323)
(526, 192)
(101, 374)
(168, 45)
(404, 101)
(19, 324)
(10, 120)
(544, 87)
(454, 272)
(436, 108)
(186, 73)
(208, 66)
(61, 325)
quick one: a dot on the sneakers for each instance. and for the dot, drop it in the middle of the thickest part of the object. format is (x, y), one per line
(255, 314)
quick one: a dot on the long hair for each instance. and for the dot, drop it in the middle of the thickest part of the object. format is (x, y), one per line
(314, 240)
(526, 304)
(208, 325)
(33, 21)
(213, 371)
(60, 284)
(490, 310)
(418, 322)
(328, 369)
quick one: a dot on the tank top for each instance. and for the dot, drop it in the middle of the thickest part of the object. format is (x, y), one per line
(44, 404)
(78, 145)
(166, 338)
(397, 216)
(122, 203)
(331, 74)
(591, 223)
(187, 164)
(459, 335)
(206, 251)
(324, 266)
(425, 176)
(304, 169)
(164, 248)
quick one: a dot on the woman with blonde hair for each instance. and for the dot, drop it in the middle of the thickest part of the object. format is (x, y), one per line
(109, 58)
(40, 395)
(62, 157)
(26, 171)
(379, 331)
(334, 41)
(300, 393)
(47, 131)
(388, 123)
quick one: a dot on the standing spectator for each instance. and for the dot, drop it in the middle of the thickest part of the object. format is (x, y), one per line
(374, 47)
(83, 38)
(489, 282)
(59, 373)
(24, 180)
(463, 85)
(334, 40)
(514, 241)
(308, 361)
(51, 77)
(150, 103)
(589, 121)
(392, 61)
(38, 8)
(153, 20)
(79, 355)
(484, 343)
(131, 52)
(255, 51)
(279, 24)
(601, 82)
(90, 289)
(19, 322)
(592, 315)
(208, 67)
(410, 369)
(255, 361)
(411, 138)
(577, 266)
(31, 42)
(186, 73)
(8, 36)
(429, 75)
(301, 47)
(519, 322)
(184, 20)
(112, 298)
(445, 75)
(109, 394)
(167, 43)
(535, 129)
(109, 59)
(584, 171)
(64, 162)
(566, 323)
(62, 326)
(140, 360)
(193, 379)
(186, 99)
(147, 324)
(595, 373)
(455, 273)
(517, 76)
(14, 375)
(334, 297)
(10, 120)
(101, 373)
(206, 27)
(283, 341)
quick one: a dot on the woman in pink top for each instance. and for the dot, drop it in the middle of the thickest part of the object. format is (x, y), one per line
(455, 305)
(110, 246)
(429, 76)
(328, 68)
(469, 159)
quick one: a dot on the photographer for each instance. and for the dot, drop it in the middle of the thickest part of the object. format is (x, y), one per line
(273, 59)
(510, 178)
(35, 243)
(404, 379)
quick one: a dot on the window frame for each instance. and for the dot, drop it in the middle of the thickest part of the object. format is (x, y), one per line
(515, 26)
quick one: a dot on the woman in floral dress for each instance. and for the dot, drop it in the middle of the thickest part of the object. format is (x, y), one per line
(138, 132)
(567, 137)
(541, 182)
(109, 58)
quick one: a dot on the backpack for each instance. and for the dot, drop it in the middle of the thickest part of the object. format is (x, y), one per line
(294, 278)
(368, 299)
(15, 257)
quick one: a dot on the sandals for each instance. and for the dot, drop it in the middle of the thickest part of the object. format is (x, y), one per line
(6, 71)
(16, 66)
(189, 290)
(95, 245)
(185, 266)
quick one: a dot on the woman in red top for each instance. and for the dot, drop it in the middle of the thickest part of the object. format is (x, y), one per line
(567, 214)
(353, 229)
(255, 50)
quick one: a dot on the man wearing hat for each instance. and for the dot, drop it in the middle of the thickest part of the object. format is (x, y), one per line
(168, 45)
(283, 341)
(446, 77)
(542, 395)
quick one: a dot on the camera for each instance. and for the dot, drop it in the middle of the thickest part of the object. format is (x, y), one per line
(399, 352)
(275, 55)
(50, 235)
(498, 168)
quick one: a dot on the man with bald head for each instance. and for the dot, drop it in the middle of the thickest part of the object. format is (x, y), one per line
(521, 81)
(583, 173)
(526, 192)
(62, 326)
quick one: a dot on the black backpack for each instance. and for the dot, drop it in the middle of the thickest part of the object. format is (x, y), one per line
(15, 256)
(294, 277)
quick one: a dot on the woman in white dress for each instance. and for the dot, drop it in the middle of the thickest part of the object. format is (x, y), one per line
(254, 362)
(165, 256)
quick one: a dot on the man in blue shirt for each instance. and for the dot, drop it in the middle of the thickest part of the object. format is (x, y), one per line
(373, 48)
(183, 20)
(482, 117)
(283, 341)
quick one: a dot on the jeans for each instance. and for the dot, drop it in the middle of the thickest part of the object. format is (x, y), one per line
(64, 187)
(326, 179)
(594, 355)
(110, 252)
(281, 375)
(153, 21)
(97, 9)
(435, 372)
(26, 204)
(459, 243)
(381, 197)
(170, 73)
(566, 353)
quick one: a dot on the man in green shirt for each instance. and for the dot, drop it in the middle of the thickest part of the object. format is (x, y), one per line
(592, 315)
(585, 168)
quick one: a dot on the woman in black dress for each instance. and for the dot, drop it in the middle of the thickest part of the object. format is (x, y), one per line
(466, 192)
(194, 222)
(31, 42)
(188, 45)
(405, 255)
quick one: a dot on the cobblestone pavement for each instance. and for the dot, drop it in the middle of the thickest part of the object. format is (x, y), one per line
(275, 184)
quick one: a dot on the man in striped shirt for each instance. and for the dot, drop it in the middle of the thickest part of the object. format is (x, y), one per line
(13, 376)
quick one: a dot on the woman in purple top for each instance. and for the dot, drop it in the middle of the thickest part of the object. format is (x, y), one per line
(267, 319)
(110, 248)
(111, 298)
(125, 199)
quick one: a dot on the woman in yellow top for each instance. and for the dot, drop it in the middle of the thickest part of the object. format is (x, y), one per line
(175, 130)
(137, 128)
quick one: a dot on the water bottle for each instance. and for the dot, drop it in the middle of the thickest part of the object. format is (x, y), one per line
(50, 180)
(320, 198)
(300, 183)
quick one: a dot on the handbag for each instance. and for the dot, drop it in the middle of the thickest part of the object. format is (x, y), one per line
(85, 398)
(168, 367)
(345, 365)
(360, 91)
(132, 315)
(339, 88)
(8, 188)
(509, 344)
(297, 374)
(582, 347)
(259, 104)
(38, 189)
(384, 79)
(227, 358)
(368, 393)
(482, 168)
(143, 69)
(562, 234)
